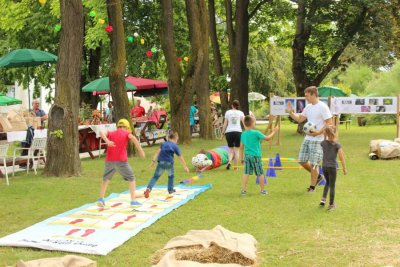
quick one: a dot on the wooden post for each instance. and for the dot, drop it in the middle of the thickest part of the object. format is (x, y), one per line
(398, 117)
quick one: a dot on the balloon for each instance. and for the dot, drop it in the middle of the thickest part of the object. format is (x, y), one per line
(101, 21)
(92, 13)
(149, 54)
(130, 39)
(142, 41)
(135, 34)
(42, 2)
(108, 28)
(154, 50)
(186, 59)
(57, 27)
(179, 59)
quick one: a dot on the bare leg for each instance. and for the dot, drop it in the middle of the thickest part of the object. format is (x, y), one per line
(244, 181)
(231, 154)
(236, 156)
(103, 188)
(261, 181)
(132, 187)
(306, 166)
(314, 175)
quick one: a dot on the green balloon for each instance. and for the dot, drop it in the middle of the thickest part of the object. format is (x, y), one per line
(130, 39)
(92, 13)
(153, 50)
(57, 28)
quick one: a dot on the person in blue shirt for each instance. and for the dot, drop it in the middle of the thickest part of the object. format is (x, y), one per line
(165, 159)
(193, 111)
(250, 152)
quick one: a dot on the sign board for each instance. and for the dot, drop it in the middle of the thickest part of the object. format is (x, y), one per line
(364, 105)
(278, 105)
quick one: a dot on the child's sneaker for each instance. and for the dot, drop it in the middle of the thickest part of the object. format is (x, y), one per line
(228, 166)
(101, 203)
(322, 202)
(263, 192)
(147, 193)
(332, 207)
(243, 192)
(310, 190)
(171, 192)
(320, 179)
(135, 203)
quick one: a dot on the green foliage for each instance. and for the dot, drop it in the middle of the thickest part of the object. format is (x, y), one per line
(58, 134)
(270, 70)
(85, 112)
(387, 83)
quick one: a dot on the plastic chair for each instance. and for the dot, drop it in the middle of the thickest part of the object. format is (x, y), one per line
(39, 145)
(3, 158)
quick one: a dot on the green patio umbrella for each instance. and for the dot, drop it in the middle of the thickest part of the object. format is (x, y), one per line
(325, 91)
(103, 84)
(6, 100)
(26, 58)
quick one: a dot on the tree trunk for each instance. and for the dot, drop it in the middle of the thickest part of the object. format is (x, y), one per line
(198, 32)
(63, 153)
(218, 68)
(93, 64)
(196, 75)
(118, 64)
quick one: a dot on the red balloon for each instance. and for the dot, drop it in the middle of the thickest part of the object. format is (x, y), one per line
(179, 59)
(109, 28)
(149, 54)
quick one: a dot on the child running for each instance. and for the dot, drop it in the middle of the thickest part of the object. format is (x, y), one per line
(165, 158)
(251, 147)
(117, 159)
(331, 149)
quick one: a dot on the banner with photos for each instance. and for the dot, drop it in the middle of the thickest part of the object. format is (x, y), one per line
(279, 105)
(364, 105)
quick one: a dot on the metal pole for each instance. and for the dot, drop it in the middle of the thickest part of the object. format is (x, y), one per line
(29, 95)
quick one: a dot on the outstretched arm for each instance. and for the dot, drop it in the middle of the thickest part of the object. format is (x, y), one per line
(183, 162)
(103, 135)
(271, 135)
(136, 143)
(297, 117)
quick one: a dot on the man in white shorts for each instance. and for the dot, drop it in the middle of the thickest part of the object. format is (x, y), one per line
(310, 154)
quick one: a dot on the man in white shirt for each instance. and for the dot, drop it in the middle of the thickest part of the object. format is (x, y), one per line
(310, 154)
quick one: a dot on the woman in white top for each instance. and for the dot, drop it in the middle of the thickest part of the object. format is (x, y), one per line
(233, 130)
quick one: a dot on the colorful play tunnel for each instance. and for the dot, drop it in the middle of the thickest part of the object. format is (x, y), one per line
(218, 156)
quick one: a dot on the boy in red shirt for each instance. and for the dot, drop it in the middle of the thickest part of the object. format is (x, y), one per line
(117, 158)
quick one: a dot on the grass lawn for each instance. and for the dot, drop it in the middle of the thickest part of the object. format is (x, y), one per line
(290, 227)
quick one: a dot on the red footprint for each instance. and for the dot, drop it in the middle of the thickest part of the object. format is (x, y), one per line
(153, 206)
(168, 197)
(76, 221)
(129, 217)
(88, 232)
(116, 205)
(117, 224)
(71, 232)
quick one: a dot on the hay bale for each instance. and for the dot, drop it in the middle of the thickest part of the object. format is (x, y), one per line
(212, 254)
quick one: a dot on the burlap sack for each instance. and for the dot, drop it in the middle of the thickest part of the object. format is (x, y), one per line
(17, 120)
(387, 150)
(374, 144)
(66, 261)
(5, 125)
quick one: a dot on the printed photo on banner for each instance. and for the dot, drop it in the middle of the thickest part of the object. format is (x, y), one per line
(360, 101)
(373, 101)
(300, 105)
(291, 102)
(365, 109)
(380, 109)
(388, 101)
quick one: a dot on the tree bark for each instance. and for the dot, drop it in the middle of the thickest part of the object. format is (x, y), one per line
(181, 93)
(238, 36)
(63, 153)
(118, 64)
(218, 68)
(93, 64)
(197, 17)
